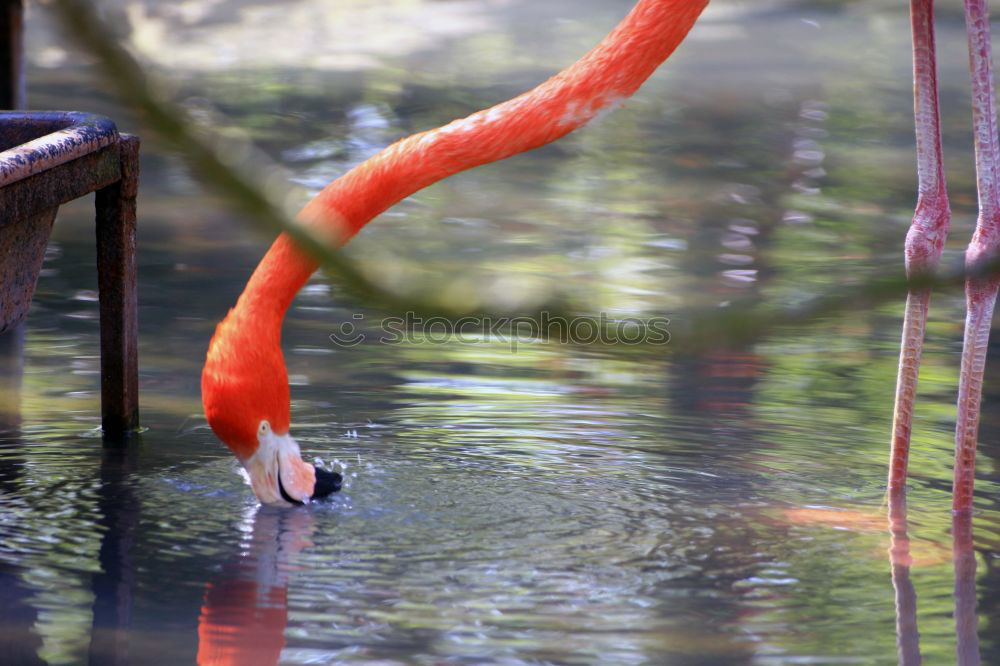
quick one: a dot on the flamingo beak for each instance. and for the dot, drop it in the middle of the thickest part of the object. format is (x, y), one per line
(327, 483)
(280, 477)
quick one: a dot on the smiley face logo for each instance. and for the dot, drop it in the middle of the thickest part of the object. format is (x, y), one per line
(348, 334)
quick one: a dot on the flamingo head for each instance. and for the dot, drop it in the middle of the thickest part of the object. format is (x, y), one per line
(244, 389)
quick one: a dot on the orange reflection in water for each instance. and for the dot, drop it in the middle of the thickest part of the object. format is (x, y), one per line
(245, 611)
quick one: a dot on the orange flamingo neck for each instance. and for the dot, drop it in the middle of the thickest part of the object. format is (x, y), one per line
(597, 83)
(244, 381)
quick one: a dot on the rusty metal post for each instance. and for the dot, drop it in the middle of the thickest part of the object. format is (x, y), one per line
(12, 95)
(12, 85)
(116, 276)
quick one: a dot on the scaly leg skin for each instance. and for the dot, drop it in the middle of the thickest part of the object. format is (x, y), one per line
(914, 321)
(980, 296)
(927, 234)
(980, 291)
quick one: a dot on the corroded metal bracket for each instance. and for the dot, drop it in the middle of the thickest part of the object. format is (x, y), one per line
(47, 159)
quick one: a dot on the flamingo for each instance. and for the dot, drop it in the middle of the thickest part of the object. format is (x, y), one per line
(244, 382)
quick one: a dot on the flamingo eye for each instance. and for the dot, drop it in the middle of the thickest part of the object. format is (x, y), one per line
(263, 429)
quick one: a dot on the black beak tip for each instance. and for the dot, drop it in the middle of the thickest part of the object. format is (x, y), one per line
(326, 483)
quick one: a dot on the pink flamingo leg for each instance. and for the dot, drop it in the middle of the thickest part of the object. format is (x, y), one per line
(980, 291)
(927, 234)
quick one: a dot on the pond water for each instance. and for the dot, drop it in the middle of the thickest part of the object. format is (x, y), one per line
(535, 502)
